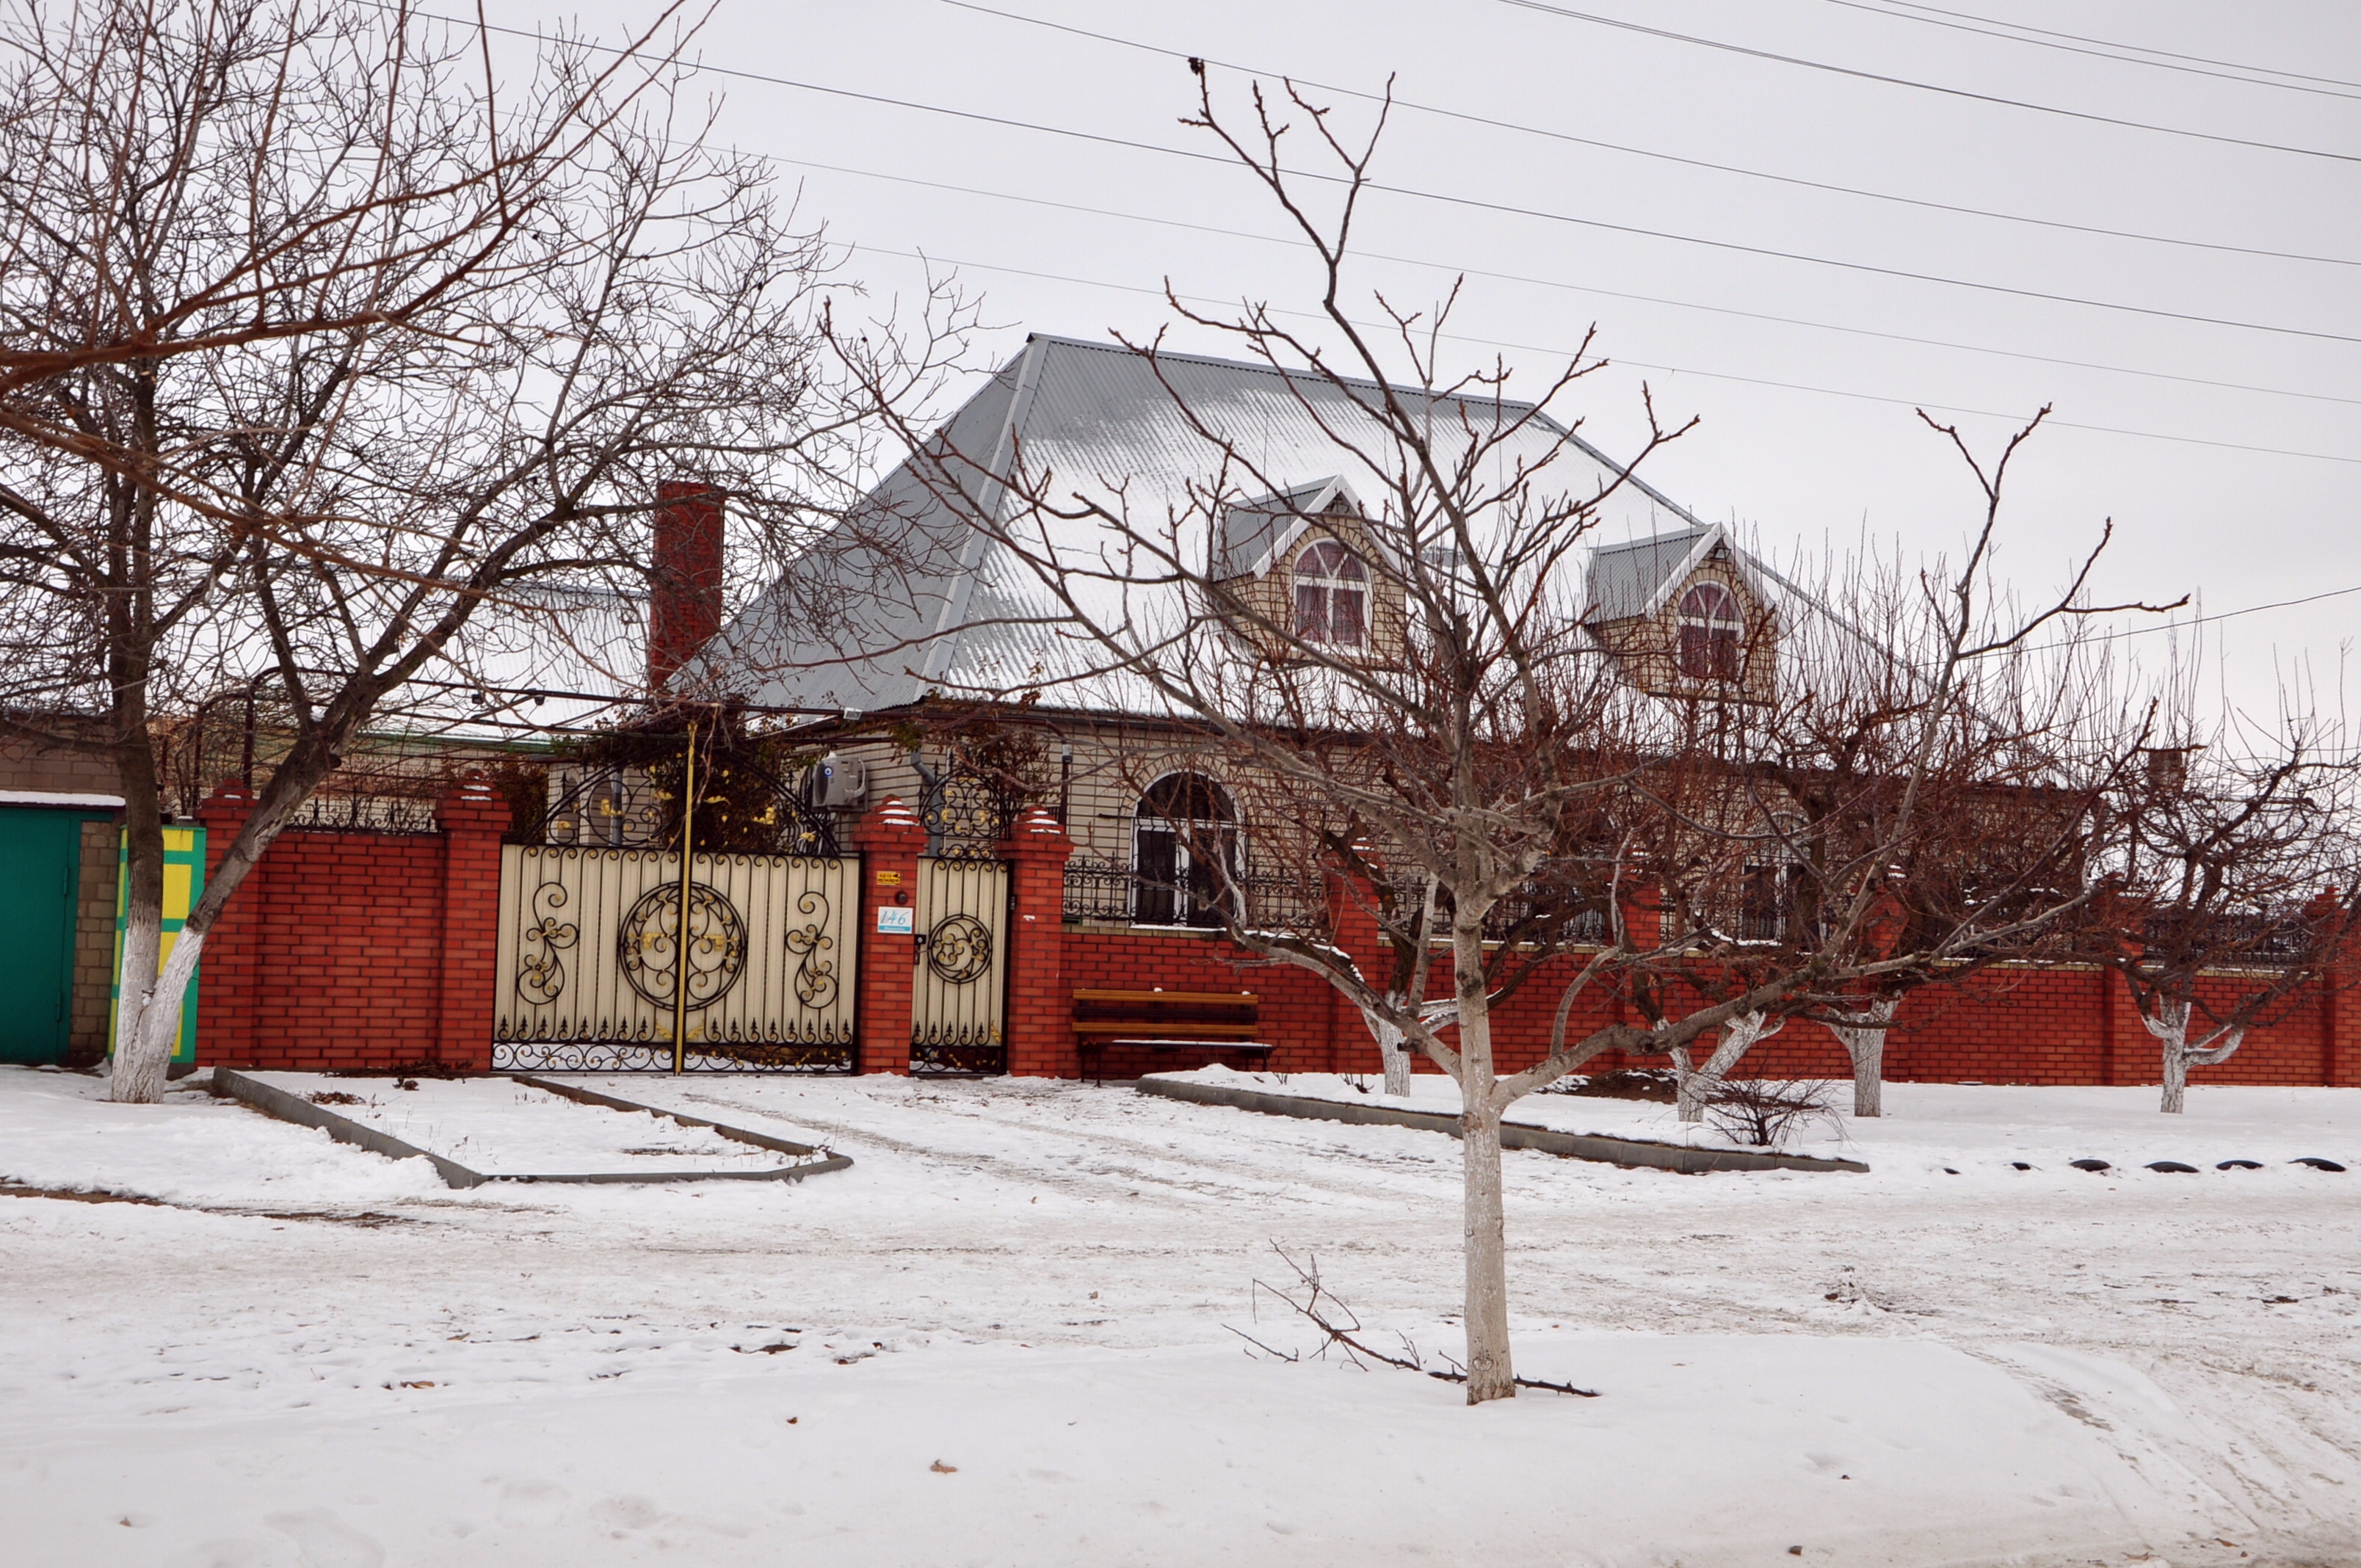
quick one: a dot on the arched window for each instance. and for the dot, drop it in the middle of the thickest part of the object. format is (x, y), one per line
(1332, 595)
(1711, 629)
(1183, 835)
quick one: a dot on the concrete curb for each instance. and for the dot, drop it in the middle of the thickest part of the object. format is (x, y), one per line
(285, 1107)
(1513, 1135)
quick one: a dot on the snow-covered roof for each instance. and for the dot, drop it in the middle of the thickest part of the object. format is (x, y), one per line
(1255, 533)
(1638, 578)
(1181, 443)
(542, 655)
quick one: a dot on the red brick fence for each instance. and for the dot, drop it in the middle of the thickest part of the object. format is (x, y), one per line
(362, 949)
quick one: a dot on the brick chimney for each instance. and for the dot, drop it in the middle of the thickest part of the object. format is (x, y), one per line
(684, 577)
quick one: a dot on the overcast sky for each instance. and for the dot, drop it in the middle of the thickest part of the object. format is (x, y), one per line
(2227, 451)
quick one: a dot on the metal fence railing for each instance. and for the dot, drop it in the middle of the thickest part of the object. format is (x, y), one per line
(364, 814)
(2260, 938)
(1111, 892)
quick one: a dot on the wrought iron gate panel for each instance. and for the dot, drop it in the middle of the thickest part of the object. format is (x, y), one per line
(959, 986)
(589, 955)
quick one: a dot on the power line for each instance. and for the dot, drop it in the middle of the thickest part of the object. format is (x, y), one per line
(1861, 76)
(2225, 615)
(1636, 364)
(1510, 209)
(1966, 24)
(1546, 133)
(1546, 282)
(2141, 48)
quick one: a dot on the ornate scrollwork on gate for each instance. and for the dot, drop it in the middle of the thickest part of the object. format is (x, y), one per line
(814, 983)
(540, 976)
(965, 815)
(649, 945)
(959, 949)
(589, 961)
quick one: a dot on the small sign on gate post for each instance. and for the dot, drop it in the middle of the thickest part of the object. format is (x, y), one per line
(895, 920)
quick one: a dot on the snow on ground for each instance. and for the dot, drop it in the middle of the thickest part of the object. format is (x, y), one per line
(1938, 1129)
(313, 1356)
(58, 1130)
(504, 1128)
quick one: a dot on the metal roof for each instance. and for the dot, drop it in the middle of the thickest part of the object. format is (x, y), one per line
(1178, 442)
(1254, 533)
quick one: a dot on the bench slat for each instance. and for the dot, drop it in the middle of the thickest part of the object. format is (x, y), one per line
(1157, 1044)
(1175, 998)
(1173, 1026)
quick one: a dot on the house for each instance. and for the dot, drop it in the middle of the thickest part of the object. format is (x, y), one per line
(1025, 809)
(960, 621)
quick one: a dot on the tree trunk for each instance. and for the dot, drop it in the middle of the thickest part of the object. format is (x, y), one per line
(1863, 1035)
(1390, 1051)
(1737, 1037)
(2176, 1076)
(147, 1035)
(1491, 1371)
(2171, 1027)
(141, 1066)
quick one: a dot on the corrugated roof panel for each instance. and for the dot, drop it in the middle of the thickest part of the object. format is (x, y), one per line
(1171, 444)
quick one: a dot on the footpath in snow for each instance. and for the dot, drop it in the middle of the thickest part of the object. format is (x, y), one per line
(1003, 1337)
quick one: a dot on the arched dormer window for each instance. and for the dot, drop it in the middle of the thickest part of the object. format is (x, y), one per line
(1183, 822)
(1711, 628)
(1332, 597)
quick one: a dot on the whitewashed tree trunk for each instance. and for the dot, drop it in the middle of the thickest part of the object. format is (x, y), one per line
(1491, 1371)
(1393, 1048)
(1738, 1036)
(1391, 1051)
(2171, 1027)
(1863, 1035)
(138, 1074)
(149, 1025)
(146, 1035)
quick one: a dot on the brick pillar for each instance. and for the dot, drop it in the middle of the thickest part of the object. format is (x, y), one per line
(684, 577)
(2129, 1053)
(1353, 916)
(890, 840)
(1040, 1019)
(472, 818)
(225, 1001)
(2340, 1020)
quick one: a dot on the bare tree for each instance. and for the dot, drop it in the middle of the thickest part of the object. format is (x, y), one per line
(333, 368)
(2240, 878)
(1440, 746)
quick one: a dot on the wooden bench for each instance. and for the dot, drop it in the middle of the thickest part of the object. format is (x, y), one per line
(1167, 1020)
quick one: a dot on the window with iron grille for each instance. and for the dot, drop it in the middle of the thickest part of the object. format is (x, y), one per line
(1183, 820)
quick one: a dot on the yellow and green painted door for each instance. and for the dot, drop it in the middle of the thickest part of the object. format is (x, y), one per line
(184, 879)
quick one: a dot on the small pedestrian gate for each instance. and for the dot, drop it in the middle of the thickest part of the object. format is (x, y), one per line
(589, 974)
(959, 985)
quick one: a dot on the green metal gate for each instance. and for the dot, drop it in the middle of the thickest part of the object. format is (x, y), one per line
(41, 882)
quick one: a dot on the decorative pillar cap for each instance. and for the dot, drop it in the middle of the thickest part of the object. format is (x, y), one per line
(890, 822)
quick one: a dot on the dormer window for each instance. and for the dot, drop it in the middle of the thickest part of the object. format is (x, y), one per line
(1710, 629)
(1332, 597)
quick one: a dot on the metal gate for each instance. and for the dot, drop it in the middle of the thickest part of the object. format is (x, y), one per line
(588, 969)
(961, 982)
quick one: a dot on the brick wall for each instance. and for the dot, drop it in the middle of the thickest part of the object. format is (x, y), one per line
(356, 949)
(93, 963)
(2059, 1025)
(377, 950)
